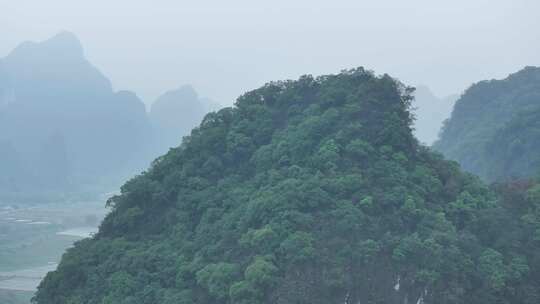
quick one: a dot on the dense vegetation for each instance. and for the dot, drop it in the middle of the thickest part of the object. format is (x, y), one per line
(307, 191)
(494, 130)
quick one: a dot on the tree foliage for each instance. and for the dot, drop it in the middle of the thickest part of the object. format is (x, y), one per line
(494, 130)
(308, 191)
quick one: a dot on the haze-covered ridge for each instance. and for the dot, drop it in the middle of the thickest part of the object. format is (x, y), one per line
(175, 113)
(478, 134)
(430, 112)
(54, 68)
(64, 130)
(65, 43)
(58, 113)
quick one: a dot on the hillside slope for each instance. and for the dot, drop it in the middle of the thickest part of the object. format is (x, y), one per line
(308, 191)
(493, 131)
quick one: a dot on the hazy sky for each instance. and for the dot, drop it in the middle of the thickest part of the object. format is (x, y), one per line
(224, 48)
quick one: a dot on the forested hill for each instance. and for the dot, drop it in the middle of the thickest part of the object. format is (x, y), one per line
(308, 191)
(494, 130)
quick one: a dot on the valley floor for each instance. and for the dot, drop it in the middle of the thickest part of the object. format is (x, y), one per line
(33, 239)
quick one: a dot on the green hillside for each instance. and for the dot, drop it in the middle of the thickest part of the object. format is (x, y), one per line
(494, 130)
(308, 191)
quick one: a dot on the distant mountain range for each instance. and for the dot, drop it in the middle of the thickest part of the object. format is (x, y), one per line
(430, 112)
(64, 129)
(169, 107)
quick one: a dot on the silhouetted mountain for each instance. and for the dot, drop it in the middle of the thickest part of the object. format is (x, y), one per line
(494, 130)
(175, 113)
(430, 112)
(62, 118)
